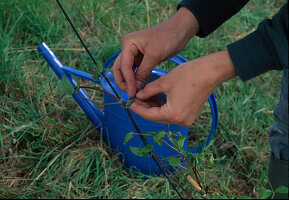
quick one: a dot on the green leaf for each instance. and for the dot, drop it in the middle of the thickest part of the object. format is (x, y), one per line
(100, 67)
(131, 100)
(175, 142)
(148, 133)
(142, 151)
(158, 137)
(211, 160)
(171, 134)
(137, 151)
(66, 86)
(181, 141)
(244, 197)
(51, 121)
(282, 190)
(175, 162)
(128, 137)
(95, 76)
(77, 87)
(70, 127)
(265, 194)
(148, 148)
(179, 144)
(176, 133)
(77, 84)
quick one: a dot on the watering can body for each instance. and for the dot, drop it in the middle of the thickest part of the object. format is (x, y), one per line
(114, 122)
(117, 124)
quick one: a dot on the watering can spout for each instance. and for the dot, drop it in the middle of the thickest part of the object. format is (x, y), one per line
(90, 109)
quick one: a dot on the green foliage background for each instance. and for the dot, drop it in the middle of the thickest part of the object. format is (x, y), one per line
(63, 156)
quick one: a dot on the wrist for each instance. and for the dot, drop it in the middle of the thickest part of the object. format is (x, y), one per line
(185, 21)
(223, 67)
(219, 67)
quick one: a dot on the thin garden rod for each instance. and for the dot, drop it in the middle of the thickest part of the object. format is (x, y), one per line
(83, 44)
(136, 127)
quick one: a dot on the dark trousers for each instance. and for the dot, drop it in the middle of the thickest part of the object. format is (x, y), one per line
(278, 139)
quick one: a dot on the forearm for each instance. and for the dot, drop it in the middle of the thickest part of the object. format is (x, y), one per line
(185, 22)
(217, 67)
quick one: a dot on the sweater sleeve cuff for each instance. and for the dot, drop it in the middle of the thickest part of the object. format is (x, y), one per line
(211, 13)
(192, 7)
(253, 55)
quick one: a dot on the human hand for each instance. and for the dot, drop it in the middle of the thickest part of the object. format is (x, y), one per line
(186, 87)
(146, 48)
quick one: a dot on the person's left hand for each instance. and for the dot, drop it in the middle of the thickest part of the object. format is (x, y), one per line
(186, 87)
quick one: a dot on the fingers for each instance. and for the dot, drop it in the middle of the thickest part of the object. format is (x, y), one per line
(142, 103)
(152, 102)
(123, 69)
(128, 55)
(146, 106)
(150, 90)
(135, 52)
(118, 75)
(156, 114)
(161, 114)
(144, 70)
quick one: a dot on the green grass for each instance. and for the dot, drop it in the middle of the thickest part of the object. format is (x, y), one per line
(65, 157)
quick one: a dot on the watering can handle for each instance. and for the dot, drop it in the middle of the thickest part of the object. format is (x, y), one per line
(178, 59)
(90, 109)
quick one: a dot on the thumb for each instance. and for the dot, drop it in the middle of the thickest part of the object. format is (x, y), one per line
(150, 90)
(144, 70)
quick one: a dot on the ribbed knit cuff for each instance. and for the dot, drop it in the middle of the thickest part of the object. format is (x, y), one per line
(253, 55)
(194, 9)
(212, 13)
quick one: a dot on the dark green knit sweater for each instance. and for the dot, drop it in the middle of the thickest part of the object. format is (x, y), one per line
(263, 50)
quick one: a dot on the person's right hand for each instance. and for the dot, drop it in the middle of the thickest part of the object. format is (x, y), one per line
(146, 48)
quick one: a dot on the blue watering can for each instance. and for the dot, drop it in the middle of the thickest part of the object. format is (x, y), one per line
(114, 123)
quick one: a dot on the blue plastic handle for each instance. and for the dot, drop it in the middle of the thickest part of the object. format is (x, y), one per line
(95, 117)
(178, 59)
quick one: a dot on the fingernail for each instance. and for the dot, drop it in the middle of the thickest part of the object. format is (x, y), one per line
(139, 85)
(139, 94)
(131, 93)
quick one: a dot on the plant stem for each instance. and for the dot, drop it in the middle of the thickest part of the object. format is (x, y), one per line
(170, 146)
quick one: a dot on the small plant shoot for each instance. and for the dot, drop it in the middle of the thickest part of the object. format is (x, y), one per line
(66, 86)
(158, 137)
